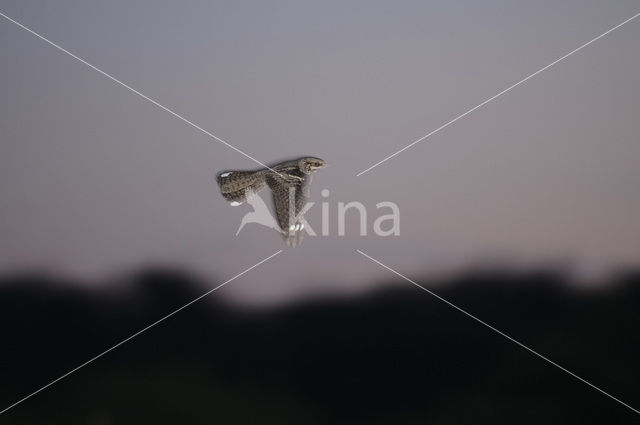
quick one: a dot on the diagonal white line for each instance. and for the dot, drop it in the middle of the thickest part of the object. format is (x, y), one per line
(137, 333)
(114, 79)
(498, 95)
(499, 332)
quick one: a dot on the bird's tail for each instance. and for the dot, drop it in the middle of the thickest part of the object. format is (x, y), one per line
(237, 186)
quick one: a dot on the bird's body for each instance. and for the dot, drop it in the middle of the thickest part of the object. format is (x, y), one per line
(288, 182)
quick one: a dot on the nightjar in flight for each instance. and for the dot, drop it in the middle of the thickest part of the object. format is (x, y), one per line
(289, 184)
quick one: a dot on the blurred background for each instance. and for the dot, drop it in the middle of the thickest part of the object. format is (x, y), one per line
(525, 211)
(393, 356)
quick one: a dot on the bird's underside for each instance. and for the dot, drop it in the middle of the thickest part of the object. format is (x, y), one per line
(288, 182)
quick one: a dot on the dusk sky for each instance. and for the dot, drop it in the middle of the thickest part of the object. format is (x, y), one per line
(96, 181)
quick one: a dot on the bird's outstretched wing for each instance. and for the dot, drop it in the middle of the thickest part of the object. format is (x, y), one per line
(237, 186)
(290, 195)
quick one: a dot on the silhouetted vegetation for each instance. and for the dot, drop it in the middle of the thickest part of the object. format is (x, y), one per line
(394, 356)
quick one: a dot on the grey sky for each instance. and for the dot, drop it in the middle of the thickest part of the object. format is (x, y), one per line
(95, 180)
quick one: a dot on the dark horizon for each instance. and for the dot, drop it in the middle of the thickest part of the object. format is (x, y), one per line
(392, 355)
(123, 281)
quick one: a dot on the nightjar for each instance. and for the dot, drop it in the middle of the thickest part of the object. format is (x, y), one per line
(289, 183)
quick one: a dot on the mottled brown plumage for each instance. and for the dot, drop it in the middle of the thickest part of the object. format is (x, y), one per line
(288, 182)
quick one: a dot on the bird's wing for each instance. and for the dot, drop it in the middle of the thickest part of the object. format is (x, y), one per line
(237, 186)
(287, 209)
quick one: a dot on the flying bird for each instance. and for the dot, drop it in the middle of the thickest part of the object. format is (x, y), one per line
(289, 183)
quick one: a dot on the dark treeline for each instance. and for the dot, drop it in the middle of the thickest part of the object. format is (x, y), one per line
(394, 356)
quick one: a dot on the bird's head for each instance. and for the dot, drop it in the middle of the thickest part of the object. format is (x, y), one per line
(310, 164)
